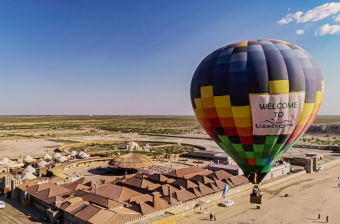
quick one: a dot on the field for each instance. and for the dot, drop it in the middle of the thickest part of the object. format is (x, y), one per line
(45, 127)
(22, 135)
(55, 127)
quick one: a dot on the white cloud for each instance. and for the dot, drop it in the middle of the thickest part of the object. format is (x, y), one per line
(327, 29)
(299, 32)
(337, 18)
(316, 14)
(290, 18)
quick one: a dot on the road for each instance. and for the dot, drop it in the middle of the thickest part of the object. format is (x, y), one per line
(309, 195)
(10, 215)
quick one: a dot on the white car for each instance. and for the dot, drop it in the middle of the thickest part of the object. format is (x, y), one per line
(320, 168)
(228, 203)
(2, 204)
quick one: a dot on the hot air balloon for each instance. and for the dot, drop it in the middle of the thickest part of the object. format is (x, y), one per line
(255, 99)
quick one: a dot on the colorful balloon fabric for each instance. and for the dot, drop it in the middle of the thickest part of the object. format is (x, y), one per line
(255, 99)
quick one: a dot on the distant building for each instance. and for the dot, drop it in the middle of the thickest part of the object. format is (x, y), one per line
(216, 157)
(232, 169)
(9, 182)
(278, 170)
(132, 146)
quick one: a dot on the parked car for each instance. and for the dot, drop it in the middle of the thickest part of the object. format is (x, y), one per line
(2, 204)
(228, 203)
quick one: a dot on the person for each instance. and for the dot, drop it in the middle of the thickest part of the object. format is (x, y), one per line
(327, 218)
(319, 216)
(215, 217)
(211, 216)
(338, 179)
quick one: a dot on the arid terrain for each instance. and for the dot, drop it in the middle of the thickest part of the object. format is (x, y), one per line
(22, 135)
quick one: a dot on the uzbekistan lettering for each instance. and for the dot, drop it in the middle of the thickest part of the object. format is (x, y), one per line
(274, 125)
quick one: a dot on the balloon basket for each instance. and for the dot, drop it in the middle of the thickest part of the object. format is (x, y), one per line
(255, 197)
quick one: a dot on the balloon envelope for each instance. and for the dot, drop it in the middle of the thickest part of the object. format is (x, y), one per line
(255, 99)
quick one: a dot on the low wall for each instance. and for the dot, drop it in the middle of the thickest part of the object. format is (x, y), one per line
(59, 170)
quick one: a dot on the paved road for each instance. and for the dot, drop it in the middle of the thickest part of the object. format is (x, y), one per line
(10, 215)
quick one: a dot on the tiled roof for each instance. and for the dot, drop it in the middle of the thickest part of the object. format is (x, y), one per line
(102, 217)
(164, 189)
(116, 192)
(97, 199)
(180, 173)
(83, 181)
(201, 179)
(141, 198)
(223, 175)
(137, 182)
(212, 186)
(184, 183)
(184, 195)
(157, 177)
(88, 212)
(204, 189)
(238, 180)
(202, 173)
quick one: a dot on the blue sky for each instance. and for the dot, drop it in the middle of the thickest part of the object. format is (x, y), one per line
(138, 57)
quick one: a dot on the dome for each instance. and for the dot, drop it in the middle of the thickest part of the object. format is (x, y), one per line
(82, 155)
(56, 156)
(131, 161)
(62, 159)
(5, 160)
(29, 176)
(29, 168)
(42, 164)
(73, 153)
(47, 156)
(28, 159)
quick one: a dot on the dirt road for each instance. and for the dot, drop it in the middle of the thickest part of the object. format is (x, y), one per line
(309, 195)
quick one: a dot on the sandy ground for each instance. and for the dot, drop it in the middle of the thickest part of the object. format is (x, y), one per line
(13, 148)
(309, 195)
